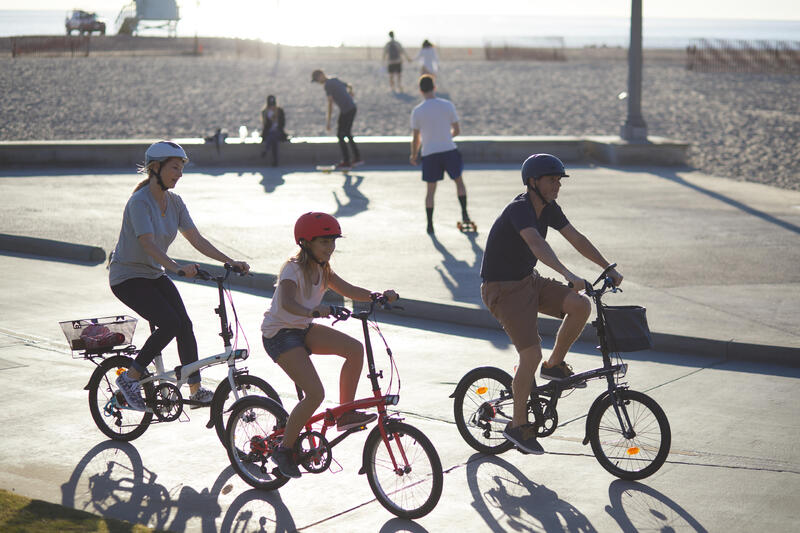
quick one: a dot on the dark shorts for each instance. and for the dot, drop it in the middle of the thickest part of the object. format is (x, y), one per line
(395, 67)
(517, 304)
(434, 165)
(286, 339)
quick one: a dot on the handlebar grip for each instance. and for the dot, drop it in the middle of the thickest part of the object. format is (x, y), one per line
(233, 268)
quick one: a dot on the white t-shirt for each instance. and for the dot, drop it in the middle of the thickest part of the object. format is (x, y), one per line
(433, 118)
(429, 59)
(277, 317)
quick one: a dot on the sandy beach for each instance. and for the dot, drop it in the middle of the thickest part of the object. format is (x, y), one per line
(742, 126)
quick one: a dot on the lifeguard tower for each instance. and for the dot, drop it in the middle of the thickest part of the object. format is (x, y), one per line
(148, 14)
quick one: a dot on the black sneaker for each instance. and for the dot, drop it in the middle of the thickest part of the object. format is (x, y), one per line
(283, 458)
(524, 437)
(560, 372)
(354, 419)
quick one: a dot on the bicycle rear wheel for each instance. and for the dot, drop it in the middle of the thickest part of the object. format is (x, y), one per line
(250, 439)
(109, 410)
(482, 407)
(640, 453)
(404, 471)
(246, 385)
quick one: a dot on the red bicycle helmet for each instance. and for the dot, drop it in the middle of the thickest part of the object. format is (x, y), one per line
(314, 224)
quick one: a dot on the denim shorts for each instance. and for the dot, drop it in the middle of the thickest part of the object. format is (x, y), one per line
(285, 340)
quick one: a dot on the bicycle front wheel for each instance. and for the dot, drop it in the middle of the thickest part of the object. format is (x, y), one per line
(246, 385)
(640, 450)
(250, 439)
(404, 470)
(109, 410)
(482, 407)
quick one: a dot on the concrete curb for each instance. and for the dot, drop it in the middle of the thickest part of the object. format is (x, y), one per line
(475, 316)
(450, 312)
(389, 150)
(48, 248)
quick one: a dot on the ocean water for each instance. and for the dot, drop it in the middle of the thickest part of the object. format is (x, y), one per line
(459, 30)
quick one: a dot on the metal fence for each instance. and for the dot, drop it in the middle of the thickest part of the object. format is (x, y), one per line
(540, 49)
(725, 55)
(50, 46)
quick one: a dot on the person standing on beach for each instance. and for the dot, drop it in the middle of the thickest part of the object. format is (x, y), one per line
(427, 56)
(273, 122)
(515, 293)
(341, 94)
(393, 54)
(434, 123)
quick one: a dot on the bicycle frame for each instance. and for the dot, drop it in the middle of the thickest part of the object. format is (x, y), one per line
(180, 374)
(329, 416)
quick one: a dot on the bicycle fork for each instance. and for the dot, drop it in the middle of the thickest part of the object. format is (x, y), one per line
(622, 416)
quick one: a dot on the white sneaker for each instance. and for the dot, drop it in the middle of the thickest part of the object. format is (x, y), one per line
(202, 395)
(132, 391)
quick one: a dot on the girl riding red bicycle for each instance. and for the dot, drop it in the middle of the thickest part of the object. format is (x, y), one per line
(290, 335)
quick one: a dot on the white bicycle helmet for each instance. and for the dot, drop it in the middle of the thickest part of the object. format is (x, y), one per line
(163, 150)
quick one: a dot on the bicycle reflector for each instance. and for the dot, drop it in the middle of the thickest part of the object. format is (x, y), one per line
(634, 450)
(482, 390)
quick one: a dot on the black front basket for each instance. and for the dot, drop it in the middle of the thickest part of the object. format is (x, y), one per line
(626, 328)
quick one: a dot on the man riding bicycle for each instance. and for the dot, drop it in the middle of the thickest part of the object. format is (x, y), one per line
(515, 293)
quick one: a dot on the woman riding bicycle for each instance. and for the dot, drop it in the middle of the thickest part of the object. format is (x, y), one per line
(290, 336)
(150, 222)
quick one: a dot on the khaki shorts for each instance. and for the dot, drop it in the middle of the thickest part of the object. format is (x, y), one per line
(517, 304)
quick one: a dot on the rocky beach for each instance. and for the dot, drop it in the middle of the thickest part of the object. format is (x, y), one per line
(742, 126)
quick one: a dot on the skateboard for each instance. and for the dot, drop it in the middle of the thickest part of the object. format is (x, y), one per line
(467, 226)
(327, 169)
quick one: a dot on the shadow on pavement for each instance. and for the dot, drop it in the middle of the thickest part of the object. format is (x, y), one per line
(461, 276)
(637, 507)
(356, 201)
(673, 176)
(508, 501)
(111, 481)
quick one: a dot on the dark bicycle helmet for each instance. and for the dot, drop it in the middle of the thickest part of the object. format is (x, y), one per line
(315, 224)
(539, 165)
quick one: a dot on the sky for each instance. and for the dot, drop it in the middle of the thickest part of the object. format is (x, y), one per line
(715, 9)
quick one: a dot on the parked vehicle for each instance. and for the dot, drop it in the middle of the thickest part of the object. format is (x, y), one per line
(84, 22)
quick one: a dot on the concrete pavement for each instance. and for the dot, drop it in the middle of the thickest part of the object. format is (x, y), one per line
(713, 260)
(733, 464)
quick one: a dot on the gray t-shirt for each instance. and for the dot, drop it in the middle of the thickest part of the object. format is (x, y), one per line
(337, 89)
(143, 215)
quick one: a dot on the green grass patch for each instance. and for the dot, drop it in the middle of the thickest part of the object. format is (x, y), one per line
(24, 515)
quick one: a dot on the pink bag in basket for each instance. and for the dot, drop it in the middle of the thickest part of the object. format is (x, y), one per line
(97, 336)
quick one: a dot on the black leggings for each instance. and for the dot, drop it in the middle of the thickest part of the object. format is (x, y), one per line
(158, 302)
(344, 131)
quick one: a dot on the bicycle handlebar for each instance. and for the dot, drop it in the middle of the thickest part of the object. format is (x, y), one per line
(206, 276)
(343, 313)
(605, 278)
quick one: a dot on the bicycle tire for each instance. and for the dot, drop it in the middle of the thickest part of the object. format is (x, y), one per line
(128, 424)
(223, 399)
(640, 456)
(253, 421)
(416, 490)
(474, 408)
